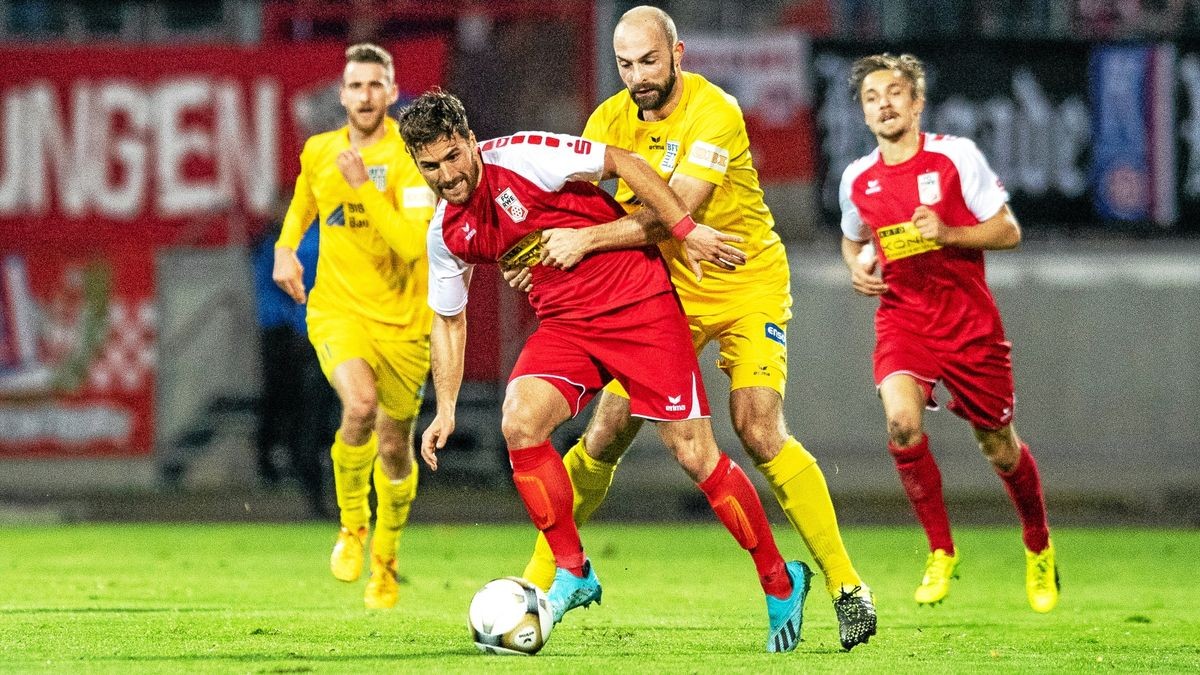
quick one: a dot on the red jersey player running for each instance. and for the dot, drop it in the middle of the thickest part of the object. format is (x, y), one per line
(614, 315)
(932, 205)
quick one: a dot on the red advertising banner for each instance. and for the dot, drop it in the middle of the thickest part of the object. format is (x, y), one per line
(124, 143)
(77, 357)
(108, 153)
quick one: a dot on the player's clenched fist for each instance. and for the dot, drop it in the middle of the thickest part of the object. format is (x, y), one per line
(929, 223)
(288, 273)
(350, 163)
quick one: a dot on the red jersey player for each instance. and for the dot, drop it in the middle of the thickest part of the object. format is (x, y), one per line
(932, 205)
(614, 315)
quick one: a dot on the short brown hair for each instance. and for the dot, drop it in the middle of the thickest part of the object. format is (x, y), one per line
(910, 68)
(365, 52)
(435, 115)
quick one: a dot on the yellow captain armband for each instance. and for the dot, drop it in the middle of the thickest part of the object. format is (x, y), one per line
(524, 253)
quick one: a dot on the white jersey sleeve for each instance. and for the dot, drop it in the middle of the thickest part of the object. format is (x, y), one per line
(853, 226)
(449, 276)
(982, 190)
(549, 160)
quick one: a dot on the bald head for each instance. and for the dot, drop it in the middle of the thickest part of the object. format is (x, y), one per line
(648, 53)
(647, 18)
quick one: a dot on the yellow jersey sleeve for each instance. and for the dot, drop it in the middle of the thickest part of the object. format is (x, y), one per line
(711, 140)
(302, 209)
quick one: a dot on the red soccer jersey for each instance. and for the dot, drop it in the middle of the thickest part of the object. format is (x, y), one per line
(938, 293)
(530, 182)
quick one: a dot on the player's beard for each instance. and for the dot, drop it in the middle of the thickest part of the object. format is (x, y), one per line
(371, 123)
(465, 185)
(657, 95)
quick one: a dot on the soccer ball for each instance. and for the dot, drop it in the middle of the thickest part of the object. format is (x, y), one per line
(510, 616)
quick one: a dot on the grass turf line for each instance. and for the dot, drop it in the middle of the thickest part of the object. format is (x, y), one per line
(678, 598)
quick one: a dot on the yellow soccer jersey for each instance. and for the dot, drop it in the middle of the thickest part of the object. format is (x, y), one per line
(704, 137)
(372, 262)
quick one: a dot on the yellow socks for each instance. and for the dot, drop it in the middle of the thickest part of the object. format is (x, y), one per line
(801, 490)
(395, 498)
(352, 480)
(590, 479)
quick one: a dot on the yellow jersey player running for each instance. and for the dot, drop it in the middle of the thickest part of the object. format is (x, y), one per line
(367, 318)
(694, 135)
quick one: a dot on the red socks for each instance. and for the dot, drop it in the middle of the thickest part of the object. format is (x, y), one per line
(739, 509)
(545, 488)
(1024, 486)
(922, 483)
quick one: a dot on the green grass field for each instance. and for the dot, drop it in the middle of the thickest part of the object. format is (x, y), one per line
(677, 598)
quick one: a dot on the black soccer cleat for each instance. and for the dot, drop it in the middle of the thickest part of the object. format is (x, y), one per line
(856, 616)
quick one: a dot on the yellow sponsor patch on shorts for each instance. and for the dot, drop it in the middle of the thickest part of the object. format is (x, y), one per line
(903, 240)
(524, 253)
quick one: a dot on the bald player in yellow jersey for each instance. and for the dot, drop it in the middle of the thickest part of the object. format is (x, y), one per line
(368, 318)
(694, 136)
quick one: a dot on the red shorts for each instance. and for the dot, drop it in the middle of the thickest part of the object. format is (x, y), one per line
(646, 347)
(978, 376)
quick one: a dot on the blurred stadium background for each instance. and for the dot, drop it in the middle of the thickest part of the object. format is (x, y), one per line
(143, 147)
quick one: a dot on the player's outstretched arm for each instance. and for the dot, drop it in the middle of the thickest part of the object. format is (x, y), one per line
(862, 267)
(405, 236)
(656, 195)
(999, 232)
(447, 346)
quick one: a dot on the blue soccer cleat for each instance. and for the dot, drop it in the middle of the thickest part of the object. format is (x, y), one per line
(787, 615)
(569, 591)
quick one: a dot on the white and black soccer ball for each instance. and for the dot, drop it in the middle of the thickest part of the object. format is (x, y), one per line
(510, 616)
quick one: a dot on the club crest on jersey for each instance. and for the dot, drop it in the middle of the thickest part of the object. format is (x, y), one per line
(511, 205)
(670, 158)
(929, 188)
(378, 176)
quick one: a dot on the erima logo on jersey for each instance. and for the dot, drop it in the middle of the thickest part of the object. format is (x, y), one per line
(776, 333)
(511, 205)
(674, 404)
(873, 186)
(378, 176)
(337, 217)
(468, 232)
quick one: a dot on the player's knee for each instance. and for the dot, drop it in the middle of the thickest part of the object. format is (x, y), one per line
(904, 429)
(1001, 450)
(606, 441)
(358, 410)
(520, 428)
(762, 438)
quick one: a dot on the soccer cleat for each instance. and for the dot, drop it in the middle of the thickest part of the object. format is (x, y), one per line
(855, 611)
(1041, 579)
(569, 591)
(346, 561)
(383, 588)
(939, 570)
(787, 615)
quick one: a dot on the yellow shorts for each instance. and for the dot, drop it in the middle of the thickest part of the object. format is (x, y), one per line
(752, 339)
(401, 366)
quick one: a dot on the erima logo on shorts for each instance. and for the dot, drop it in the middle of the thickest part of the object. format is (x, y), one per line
(776, 333)
(674, 404)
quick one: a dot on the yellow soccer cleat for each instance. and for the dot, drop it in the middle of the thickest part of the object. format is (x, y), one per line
(1041, 579)
(939, 570)
(383, 588)
(346, 561)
